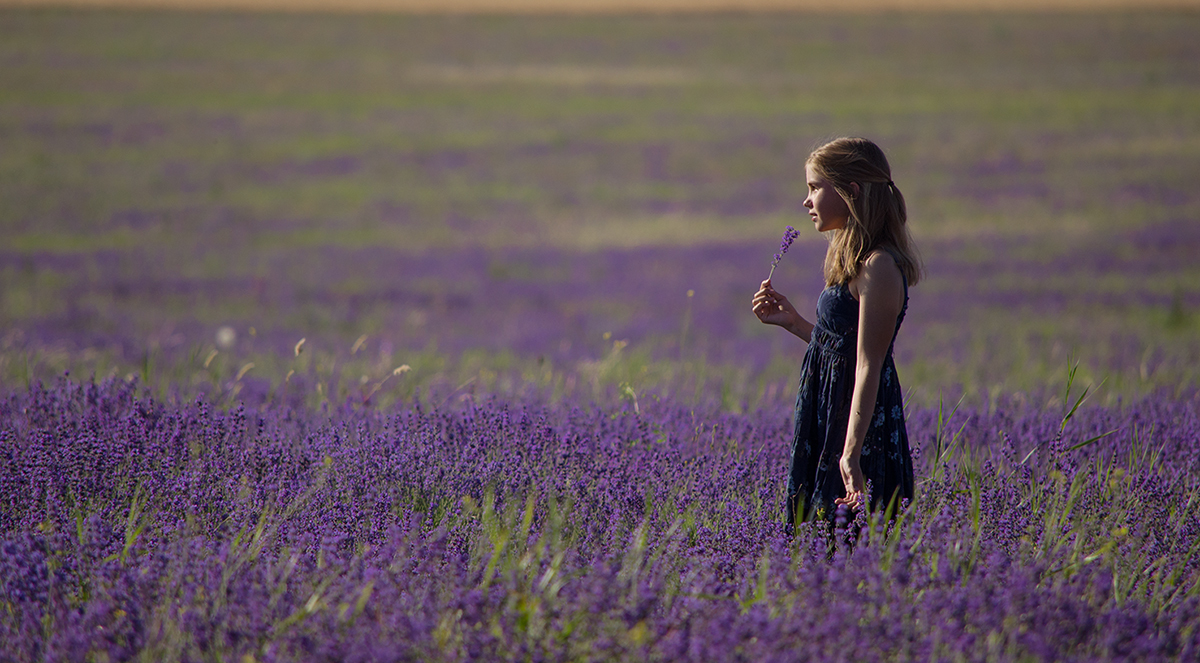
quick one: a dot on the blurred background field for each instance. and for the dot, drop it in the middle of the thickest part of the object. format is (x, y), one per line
(613, 6)
(584, 204)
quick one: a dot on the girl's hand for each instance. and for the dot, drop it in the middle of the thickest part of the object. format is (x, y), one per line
(773, 308)
(856, 485)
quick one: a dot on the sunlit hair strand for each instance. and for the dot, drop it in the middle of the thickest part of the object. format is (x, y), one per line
(878, 215)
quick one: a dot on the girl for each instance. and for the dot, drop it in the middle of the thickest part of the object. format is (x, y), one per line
(849, 425)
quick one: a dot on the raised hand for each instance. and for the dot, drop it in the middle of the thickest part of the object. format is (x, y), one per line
(773, 308)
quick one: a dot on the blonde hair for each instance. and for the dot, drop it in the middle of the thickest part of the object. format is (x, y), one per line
(878, 216)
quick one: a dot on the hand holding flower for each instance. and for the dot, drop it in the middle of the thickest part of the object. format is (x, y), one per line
(773, 308)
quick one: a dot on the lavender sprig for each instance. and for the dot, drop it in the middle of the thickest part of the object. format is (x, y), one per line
(789, 236)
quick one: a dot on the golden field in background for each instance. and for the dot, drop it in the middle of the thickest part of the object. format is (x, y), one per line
(605, 6)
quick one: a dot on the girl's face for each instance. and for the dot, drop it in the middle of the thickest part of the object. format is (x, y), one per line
(826, 208)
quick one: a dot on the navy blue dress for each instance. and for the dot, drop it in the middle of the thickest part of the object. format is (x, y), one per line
(823, 413)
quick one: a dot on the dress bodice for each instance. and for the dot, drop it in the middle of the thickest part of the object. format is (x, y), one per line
(836, 329)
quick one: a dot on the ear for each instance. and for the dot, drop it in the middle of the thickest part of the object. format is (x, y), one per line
(855, 190)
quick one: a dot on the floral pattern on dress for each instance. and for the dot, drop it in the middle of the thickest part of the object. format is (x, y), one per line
(822, 415)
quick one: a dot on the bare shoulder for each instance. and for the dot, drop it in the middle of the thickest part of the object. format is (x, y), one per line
(881, 268)
(880, 280)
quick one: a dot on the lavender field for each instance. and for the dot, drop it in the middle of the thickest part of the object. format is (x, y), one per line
(334, 337)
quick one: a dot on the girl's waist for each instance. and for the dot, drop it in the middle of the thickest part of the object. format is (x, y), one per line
(845, 344)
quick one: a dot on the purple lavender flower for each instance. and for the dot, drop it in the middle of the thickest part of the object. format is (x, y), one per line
(789, 236)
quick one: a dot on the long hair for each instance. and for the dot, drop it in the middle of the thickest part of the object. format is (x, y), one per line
(878, 216)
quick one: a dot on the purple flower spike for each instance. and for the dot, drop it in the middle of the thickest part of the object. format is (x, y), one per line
(789, 236)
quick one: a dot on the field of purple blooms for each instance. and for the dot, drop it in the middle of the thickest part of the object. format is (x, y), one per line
(429, 338)
(512, 529)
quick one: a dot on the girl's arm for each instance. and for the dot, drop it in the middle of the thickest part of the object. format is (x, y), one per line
(880, 298)
(773, 308)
